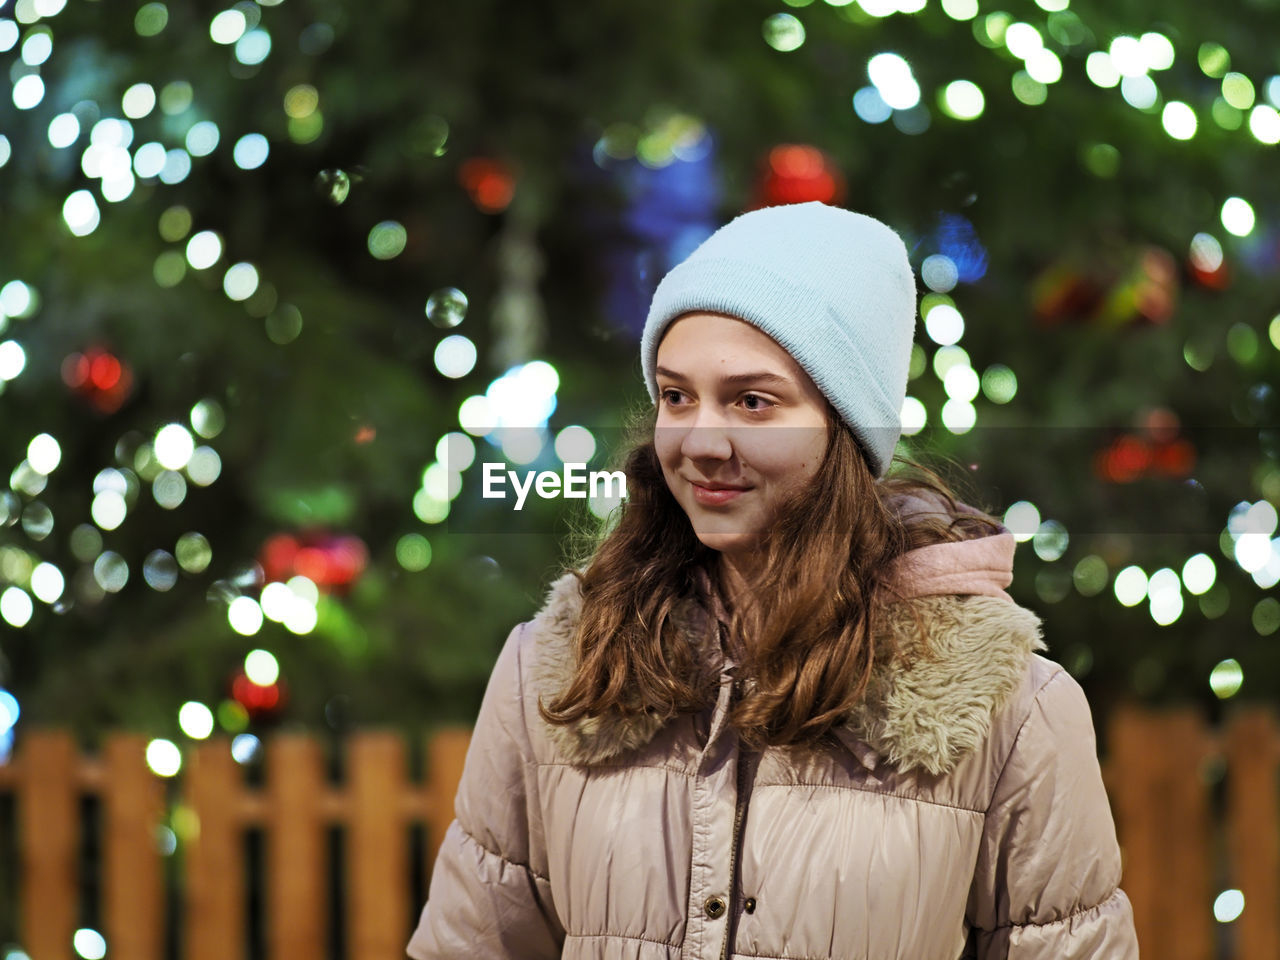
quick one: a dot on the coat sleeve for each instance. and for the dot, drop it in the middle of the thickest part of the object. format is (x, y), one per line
(489, 896)
(1046, 882)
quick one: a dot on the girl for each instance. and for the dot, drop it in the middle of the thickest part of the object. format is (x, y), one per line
(785, 709)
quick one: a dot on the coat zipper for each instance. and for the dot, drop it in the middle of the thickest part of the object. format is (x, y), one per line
(738, 812)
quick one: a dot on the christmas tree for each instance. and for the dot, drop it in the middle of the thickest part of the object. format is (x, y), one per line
(277, 277)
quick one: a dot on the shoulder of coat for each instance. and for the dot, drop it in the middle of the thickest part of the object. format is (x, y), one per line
(937, 701)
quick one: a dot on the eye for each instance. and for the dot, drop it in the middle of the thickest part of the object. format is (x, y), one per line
(755, 396)
(670, 393)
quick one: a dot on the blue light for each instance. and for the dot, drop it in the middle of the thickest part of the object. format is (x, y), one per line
(9, 711)
(957, 238)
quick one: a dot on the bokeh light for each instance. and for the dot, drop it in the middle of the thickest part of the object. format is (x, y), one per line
(1199, 573)
(208, 418)
(575, 444)
(1179, 120)
(413, 552)
(160, 570)
(456, 451)
(261, 667)
(196, 720)
(240, 281)
(1090, 575)
(163, 757)
(1022, 519)
(111, 571)
(16, 607)
(245, 616)
(455, 356)
(13, 360)
(784, 32)
(88, 943)
(44, 454)
(138, 101)
(446, 307)
(1050, 540)
(204, 249)
(913, 417)
(64, 130)
(204, 467)
(245, 748)
(250, 151)
(944, 324)
(387, 240)
(254, 47)
(1131, 585)
(202, 139)
(173, 446)
(1228, 905)
(892, 77)
(28, 91)
(193, 552)
(47, 582)
(80, 212)
(1237, 216)
(227, 27)
(1226, 678)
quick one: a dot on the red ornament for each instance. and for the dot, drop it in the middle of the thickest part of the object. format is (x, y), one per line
(797, 173)
(1161, 451)
(99, 377)
(490, 183)
(1124, 460)
(332, 563)
(258, 701)
(1176, 459)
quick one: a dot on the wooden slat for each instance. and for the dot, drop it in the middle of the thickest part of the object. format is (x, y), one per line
(47, 828)
(1162, 822)
(133, 882)
(296, 888)
(214, 904)
(1252, 747)
(446, 757)
(1131, 773)
(378, 865)
(1187, 829)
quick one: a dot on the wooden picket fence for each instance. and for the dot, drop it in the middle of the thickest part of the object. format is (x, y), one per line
(376, 805)
(1197, 811)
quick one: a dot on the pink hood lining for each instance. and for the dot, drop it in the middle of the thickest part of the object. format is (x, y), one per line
(983, 566)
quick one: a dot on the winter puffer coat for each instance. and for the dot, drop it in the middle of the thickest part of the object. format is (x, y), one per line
(962, 816)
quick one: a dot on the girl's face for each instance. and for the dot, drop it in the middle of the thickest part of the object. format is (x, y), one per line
(734, 411)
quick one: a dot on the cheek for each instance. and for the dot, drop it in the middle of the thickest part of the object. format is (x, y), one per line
(668, 451)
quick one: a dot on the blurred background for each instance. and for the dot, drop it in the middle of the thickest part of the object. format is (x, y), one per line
(277, 276)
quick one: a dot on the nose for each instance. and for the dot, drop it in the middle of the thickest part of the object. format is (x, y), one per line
(707, 438)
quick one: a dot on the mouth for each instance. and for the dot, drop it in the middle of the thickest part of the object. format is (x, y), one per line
(715, 494)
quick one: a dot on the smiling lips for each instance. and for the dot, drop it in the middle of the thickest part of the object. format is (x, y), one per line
(716, 494)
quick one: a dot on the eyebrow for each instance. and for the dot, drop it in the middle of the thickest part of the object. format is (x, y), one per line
(760, 376)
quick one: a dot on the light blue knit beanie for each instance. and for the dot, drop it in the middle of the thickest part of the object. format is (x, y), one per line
(834, 288)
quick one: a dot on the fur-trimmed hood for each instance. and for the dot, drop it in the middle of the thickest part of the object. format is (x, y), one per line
(927, 714)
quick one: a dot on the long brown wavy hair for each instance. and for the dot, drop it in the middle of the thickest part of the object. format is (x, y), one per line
(803, 627)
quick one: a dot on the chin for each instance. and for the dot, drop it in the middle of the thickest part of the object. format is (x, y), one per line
(726, 542)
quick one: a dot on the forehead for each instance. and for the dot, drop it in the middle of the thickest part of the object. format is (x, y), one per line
(709, 336)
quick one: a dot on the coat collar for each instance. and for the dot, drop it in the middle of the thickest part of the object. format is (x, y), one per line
(920, 711)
